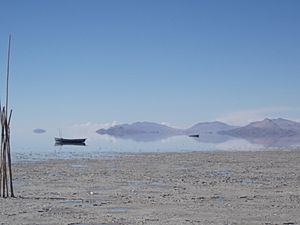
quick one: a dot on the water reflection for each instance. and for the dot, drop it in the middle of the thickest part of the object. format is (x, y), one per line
(74, 144)
(213, 138)
(276, 142)
(36, 147)
(153, 137)
(143, 137)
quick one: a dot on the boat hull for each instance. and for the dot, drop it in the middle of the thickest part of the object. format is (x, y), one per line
(69, 141)
(194, 135)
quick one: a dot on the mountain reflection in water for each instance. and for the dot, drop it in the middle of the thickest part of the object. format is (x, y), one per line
(268, 142)
(33, 147)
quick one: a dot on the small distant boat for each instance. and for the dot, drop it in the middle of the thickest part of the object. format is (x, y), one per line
(194, 135)
(70, 141)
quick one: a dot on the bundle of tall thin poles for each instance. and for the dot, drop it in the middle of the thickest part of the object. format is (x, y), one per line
(6, 183)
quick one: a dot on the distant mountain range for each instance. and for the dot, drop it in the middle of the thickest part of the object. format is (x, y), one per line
(141, 131)
(147, 131)
(139, 128)
(266, 128)
(208, 128)
(271, 130)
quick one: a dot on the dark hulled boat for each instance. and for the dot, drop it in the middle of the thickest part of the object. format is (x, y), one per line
(69, 141)
(194, 135)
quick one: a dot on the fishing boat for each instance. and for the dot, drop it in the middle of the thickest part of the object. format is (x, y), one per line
(69, 141)
(194, 135)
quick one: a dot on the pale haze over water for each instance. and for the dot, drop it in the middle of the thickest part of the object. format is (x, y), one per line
(41, 146)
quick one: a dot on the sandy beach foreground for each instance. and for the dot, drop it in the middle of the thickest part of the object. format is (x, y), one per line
(158, 188)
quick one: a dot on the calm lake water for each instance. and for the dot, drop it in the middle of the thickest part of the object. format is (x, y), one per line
(42, 146)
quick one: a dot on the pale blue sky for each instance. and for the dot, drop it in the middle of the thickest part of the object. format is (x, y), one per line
(179, 62)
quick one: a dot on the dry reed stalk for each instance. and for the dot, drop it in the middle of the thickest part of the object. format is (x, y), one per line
(5, 158)
(1, 148)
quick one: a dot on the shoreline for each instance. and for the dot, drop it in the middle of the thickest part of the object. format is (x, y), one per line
(215, 187)
(81, 155)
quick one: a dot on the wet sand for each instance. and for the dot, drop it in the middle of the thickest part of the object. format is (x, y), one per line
(158, 188)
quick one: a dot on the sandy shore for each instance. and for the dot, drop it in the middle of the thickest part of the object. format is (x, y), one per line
(160, 188)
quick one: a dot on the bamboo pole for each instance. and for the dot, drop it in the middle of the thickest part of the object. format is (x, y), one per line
(1, 149)
(3, 154)
(3, 163)
(7, 72)
(6, 178)
(9, 158)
